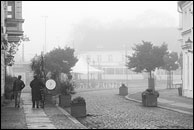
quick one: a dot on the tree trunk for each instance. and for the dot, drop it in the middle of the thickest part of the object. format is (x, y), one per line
(172, 80)
(150, 74)
(151, 83)
(170, 83)
(169, 79)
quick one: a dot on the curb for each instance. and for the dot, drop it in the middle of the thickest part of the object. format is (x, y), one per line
(71, 117)
(172, 109)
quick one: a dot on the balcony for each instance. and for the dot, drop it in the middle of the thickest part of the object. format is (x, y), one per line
(14, 29)
(14, 39)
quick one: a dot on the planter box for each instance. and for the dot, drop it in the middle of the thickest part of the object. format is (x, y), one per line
(65, 100)
(50, 98)
(78, 110)
(123, 90)
(149, 100)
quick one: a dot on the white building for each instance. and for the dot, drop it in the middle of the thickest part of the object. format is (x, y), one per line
(112, 63)
(185, 9)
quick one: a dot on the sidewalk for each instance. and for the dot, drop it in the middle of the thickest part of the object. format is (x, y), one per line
(11, 117)
(26, 117)
(168, 99)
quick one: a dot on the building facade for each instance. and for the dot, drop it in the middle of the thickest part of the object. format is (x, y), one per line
(11, 32)
(185, 9)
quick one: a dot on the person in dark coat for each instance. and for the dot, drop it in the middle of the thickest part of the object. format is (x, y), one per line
(18, 85)
(36, 84)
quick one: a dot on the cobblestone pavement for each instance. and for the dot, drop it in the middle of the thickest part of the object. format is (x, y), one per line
(58, 118)
(108, 110)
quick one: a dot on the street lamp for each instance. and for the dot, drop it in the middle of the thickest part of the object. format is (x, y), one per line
(126, 71)
(24, 39)
(88, 61)
(44, 47)
(43, 75)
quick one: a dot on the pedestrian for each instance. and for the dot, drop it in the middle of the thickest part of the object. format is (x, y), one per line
(36, 84)
(18, 85)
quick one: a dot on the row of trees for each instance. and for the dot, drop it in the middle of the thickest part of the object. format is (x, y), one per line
(146, 58)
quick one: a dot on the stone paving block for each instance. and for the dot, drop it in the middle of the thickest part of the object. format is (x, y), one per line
(38, 119)
(40, 126)
(165, 101)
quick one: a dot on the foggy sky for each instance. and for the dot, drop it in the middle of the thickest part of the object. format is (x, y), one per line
(65, 17)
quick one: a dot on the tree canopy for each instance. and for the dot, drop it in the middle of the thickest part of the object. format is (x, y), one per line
(146, 57)
(171, 61)
(56, 61)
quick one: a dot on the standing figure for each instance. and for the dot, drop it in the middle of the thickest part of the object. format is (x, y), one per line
(36, 84)
(18, 85)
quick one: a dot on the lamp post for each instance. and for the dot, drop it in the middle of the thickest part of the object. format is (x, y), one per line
(43, 75)
(88, 61)
(125, 49)
(24, 39)
(44, 46)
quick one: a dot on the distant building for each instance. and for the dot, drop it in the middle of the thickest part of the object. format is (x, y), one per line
(113, 65)
(11, 32)
(115, 72)
(185, 9)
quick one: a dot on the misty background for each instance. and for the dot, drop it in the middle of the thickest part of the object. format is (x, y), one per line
(98, 25)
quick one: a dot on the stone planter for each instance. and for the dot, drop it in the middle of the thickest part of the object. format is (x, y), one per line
(149, 99)
(78, 110)
(50, 98)
(65, 100)
(123, 90)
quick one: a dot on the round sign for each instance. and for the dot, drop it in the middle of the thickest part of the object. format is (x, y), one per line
(50, 84)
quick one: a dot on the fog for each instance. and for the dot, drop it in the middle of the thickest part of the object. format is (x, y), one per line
(87, 25)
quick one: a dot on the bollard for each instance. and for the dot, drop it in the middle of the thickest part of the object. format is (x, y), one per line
(123, 90)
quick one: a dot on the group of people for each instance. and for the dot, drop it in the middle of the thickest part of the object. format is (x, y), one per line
(37, 91)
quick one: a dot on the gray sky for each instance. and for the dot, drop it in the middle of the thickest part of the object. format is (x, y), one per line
(64, 15)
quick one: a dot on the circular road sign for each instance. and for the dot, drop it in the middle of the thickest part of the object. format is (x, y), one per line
(50, 84)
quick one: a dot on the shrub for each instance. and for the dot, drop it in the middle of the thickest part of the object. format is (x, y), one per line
(9, 86)
(78, 101)
(150, 92)
(65, 88)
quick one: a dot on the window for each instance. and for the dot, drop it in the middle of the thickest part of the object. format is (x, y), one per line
(9, 8)
(9, 16)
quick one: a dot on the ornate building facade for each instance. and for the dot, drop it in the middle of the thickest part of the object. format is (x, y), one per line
(185, 9)
(11, 32)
